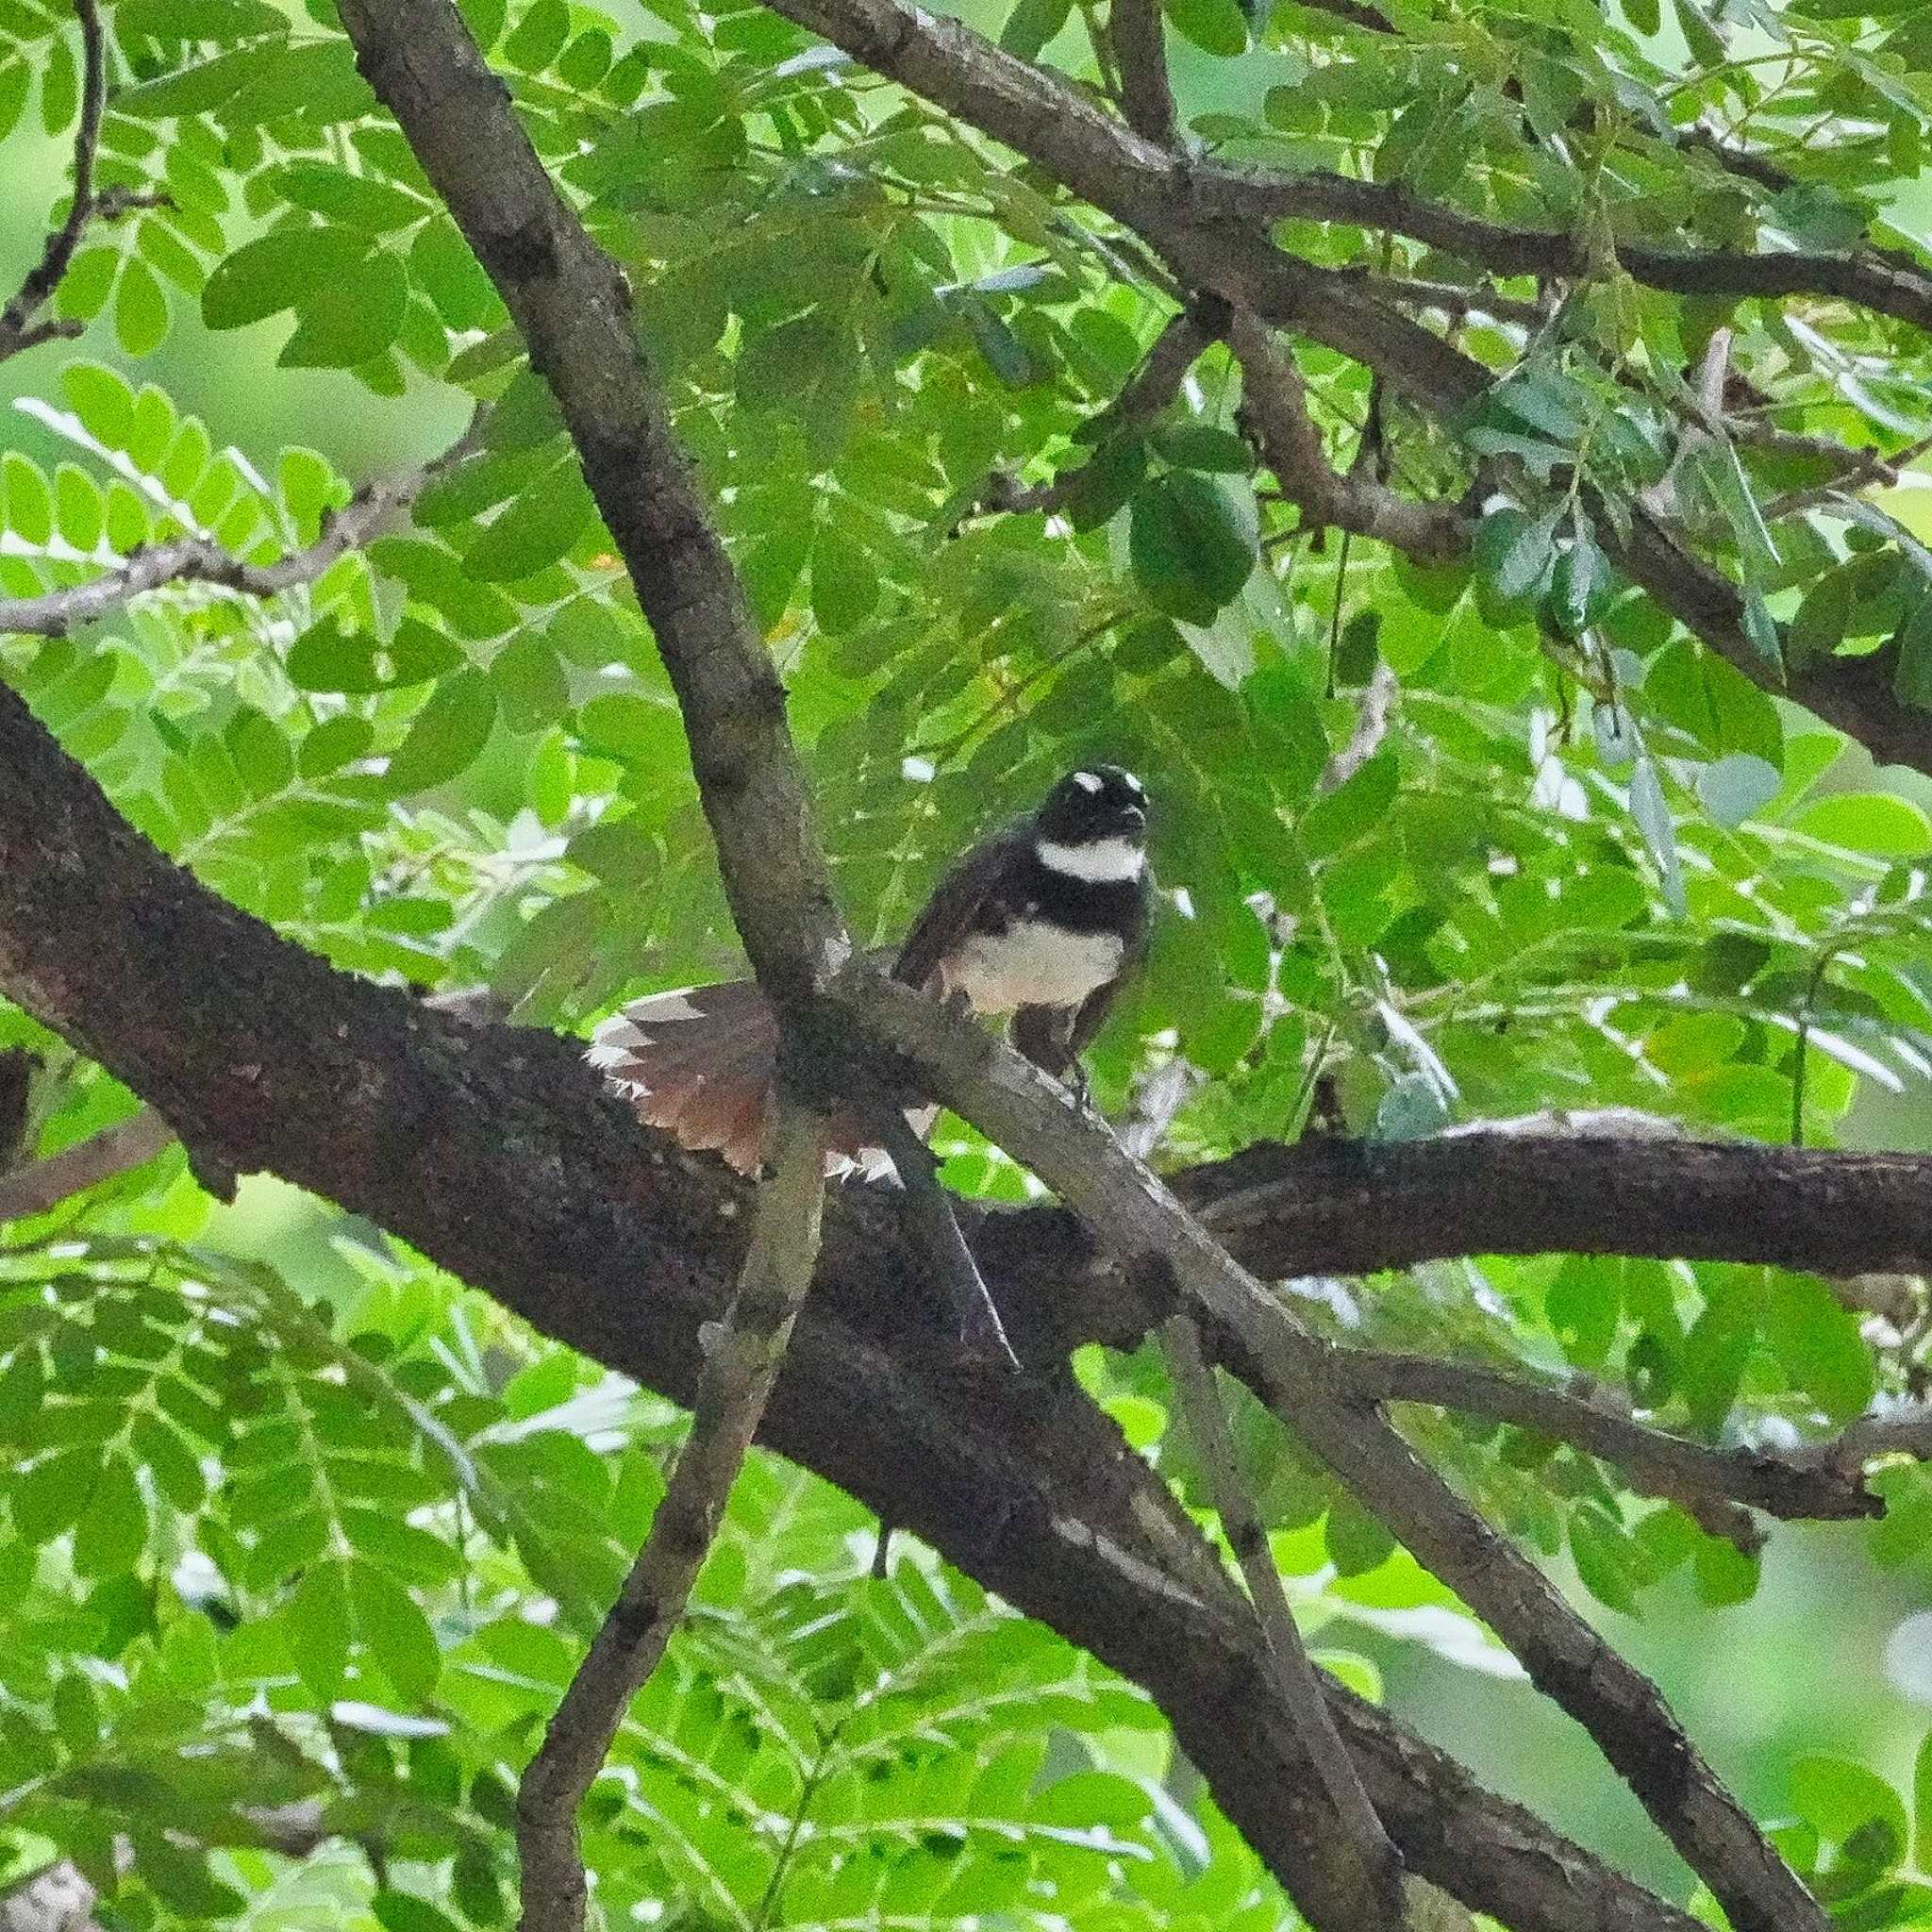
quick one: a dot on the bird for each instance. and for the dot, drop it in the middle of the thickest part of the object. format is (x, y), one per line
(1043, 923)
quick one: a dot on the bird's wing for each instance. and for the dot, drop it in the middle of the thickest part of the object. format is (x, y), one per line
(956, 910)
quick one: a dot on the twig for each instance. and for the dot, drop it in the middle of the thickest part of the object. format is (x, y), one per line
(1377, 1863)
(374, 510)
(116, 1150)
(1823, 1483)
(1139, 44)
(1151, 388)
(18, 329)
(1371, 727)
(741, 1361)
(1274, 404)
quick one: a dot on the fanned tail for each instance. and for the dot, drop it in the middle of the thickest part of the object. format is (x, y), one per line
(702, 1063)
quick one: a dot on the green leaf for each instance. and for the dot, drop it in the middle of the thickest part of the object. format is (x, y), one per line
(1202, 447)
(396, 1632)
(316, 1627)
(350, 322)
(1818, 1342)
(1843, 1799)
(140, 309)
(51, 1496)
(537, 529)
(1515, 551)
(447, 737)
(807, 369)
(1192, 542)
(277, 271)
(1875, 821)
(1216, 27)
(206, 85)
(1031, 25)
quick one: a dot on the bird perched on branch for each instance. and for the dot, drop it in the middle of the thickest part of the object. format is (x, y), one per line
(1045, 922)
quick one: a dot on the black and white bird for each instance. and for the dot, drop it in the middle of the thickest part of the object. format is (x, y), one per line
(1043, 922)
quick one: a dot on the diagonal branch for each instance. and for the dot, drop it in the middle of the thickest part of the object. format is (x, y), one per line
(19, 331)
(1377, 1865)
(1210, 223)
(374, 510)
(1274, 405)
(741, 1362)
(572, 307)
(616, 1242)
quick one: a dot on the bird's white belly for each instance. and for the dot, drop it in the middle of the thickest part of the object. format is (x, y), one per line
(1033, 965)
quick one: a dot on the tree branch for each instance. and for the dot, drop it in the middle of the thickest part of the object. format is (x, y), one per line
(116, 1150)
(1143, 1224)
(1712, 1484)
(1274, 403)
(1887, 281)
(619, 1243)
(1210, 224)
(1139, 44)
(1376, 1873)
(18, 329)
(572, 307)
(741, 1362)
(372, 511)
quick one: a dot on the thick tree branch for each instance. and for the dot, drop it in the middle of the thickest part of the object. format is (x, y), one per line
(19, 329)
(494, 1152)
(741, 1361)
(1140, 45)
(372, 511)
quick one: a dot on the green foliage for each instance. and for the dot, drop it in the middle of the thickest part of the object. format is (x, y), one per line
(286, 1536)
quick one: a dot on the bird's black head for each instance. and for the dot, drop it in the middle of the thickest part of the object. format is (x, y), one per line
(1096, 805)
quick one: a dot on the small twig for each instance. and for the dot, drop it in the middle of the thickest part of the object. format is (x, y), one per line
(1151, 388)
(374, 510)
(116, 1150)
(1297, 1681)
(1139, 44)
(1715, 1486)
(741, 1362)
(1371, 727)
(18, 329)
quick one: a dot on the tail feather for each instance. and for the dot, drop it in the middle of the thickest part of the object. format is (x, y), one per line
(702, 1064)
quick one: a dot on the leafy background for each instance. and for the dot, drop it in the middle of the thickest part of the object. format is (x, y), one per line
(293, 1521)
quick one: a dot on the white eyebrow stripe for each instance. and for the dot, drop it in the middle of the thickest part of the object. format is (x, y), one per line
(1088, 782)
